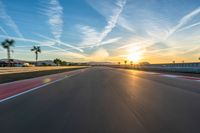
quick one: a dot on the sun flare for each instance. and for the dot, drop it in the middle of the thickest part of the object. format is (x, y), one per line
(135, 57)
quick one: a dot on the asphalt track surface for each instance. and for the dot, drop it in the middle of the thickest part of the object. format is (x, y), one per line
(106, 100)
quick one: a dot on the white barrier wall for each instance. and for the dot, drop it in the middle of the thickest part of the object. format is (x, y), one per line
(178, 67)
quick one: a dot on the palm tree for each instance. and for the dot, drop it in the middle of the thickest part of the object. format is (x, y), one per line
(37, 50)
(125, 62)
(7, 43)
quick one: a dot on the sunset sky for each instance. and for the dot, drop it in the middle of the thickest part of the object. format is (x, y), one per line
(156, 31)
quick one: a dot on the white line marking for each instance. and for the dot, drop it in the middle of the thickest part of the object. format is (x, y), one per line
(35, 88)
(169, 75)
(153, 73)
(196, 79)
(44, 76)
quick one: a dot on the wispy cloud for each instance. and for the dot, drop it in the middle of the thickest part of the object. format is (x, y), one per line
(125, 24)
(98, 55)
(194, 50)
(8, 20)
(3, 31)
(136, 41)
(134, 44)
(184, 20)
(106, 42)
(93, 37)
(41, 43)
(111, 23)
(105, 8)
(45, 43)
(54, 11)
(189, 26)
(60, 42)
(110, 41)
(90, 35)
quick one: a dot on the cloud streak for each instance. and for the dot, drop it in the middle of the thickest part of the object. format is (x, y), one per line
(54, 12)
(189, 26)
(104, 9)
(60, 42)
(8, 20)
(46, 44)
(91, 37)
(98, 55)
(94, 38)
(125, 24)
(111, 23)
(41, 43)
(184, 20)
(30, 40)
(109, 41)
(3, 31)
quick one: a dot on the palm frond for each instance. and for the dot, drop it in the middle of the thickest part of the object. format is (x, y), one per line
(36, 49)
(7, 43)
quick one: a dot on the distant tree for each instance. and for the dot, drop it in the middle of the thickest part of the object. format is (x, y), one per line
(125, 62)
(131, 63)
(57, 61)
(37, 50)
(144, 63)
(119, 63)
(60, 62)
(7, 43)
(63, 63)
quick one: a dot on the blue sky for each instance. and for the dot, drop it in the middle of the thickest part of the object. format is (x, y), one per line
(103, 30)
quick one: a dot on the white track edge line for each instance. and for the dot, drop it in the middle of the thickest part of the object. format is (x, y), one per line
(44, 76)
(35, 88)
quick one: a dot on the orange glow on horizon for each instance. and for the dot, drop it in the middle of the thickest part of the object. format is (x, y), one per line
(135, 57)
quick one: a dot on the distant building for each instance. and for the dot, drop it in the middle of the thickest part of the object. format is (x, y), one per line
(46, 63)
(12, 63)
(3, 63)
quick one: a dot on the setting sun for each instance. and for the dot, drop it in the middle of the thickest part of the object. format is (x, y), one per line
(135, 57)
